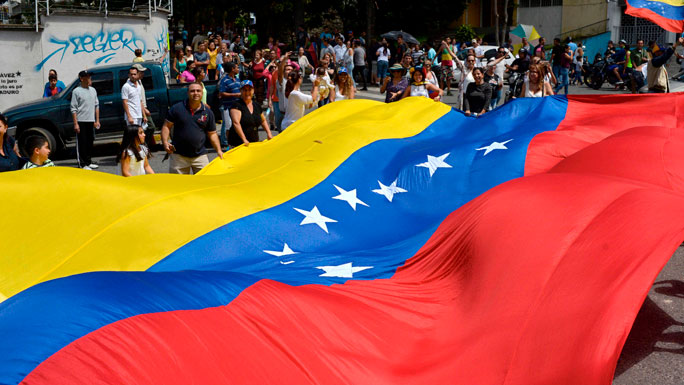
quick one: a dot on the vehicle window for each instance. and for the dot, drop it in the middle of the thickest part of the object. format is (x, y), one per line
(146, 81)
(103, 82)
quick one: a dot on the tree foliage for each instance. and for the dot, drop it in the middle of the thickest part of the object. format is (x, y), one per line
(425, 18)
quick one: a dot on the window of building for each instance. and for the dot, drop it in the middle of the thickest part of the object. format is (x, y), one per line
(540, 3)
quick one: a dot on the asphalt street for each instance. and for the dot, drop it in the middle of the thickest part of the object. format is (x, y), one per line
(654, 351)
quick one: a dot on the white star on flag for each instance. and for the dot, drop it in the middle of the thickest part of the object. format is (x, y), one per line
(435, 162)
(349, 197)
(345, 270)
(314, 216)
(494, 146)
(389, 191)
(286, 251)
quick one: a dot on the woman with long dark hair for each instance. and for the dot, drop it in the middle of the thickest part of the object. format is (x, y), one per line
(478, 95)
(297, 101)
(178, 65)
(9, 150)
(133, 153)
(420, 87)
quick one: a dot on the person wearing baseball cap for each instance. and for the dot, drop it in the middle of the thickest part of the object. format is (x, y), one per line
(85, 110)
(395, 84)
(656, 73)
(246, 116)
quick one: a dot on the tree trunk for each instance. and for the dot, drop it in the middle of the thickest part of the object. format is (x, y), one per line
(496, 22)
(370, 20)
(298, 14)
(504, 31)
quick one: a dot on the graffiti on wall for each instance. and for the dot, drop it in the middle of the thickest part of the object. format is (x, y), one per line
(104, 44)
(11, 83)
(163, 48)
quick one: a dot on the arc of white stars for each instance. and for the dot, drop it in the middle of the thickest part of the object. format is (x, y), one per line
(314, 216)
(494, 146)
(345, 270)
(435, 162)
(389, 191)
(349, 197)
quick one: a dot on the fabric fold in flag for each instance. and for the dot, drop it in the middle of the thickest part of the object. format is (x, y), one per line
(506, 237)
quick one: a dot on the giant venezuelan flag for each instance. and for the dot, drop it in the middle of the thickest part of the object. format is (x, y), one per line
(668, 14)
(369, 243)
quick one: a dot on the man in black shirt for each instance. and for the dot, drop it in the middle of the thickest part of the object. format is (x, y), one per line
(401, 50)
(557, 53)
(192, 122)
(521, 64)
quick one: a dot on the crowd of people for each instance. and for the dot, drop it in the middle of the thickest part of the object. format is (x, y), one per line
(260, 86)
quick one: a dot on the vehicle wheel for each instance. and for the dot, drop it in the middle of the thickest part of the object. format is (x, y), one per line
(596, 82)
(39, 131)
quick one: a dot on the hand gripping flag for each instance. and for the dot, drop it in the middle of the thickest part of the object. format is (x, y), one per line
(668, 14)
(368, 243)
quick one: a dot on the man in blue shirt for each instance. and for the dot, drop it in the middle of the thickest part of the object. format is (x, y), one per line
(229, 93)
(326, 34)
(619, 57)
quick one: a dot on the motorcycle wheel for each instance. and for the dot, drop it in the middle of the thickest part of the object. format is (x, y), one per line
(596, 81)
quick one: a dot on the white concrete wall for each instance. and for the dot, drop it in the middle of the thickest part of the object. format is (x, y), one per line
(18, 81)
(547, 20)
(71, 43)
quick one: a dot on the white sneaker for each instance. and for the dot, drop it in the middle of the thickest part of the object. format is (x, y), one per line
(93, 166)
(87, 168)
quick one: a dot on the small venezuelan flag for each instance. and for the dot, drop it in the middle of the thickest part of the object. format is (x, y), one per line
(668, 14)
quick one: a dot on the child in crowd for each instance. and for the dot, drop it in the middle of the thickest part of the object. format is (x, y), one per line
(134, 154)
(53, 87)
(138, 56)
(39, 150)
(324, 87)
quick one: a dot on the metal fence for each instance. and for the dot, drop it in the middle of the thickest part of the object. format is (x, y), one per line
(633, 28)
(646, 32)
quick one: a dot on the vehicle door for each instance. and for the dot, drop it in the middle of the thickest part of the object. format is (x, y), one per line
(111, 113)
(63, 115)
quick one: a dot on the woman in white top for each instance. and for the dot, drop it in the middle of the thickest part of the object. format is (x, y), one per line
(546, 69)
(303, 62)
(420, 87)
(383, 60)
(134, 154)
(535, 86)
(297, 102)
(348, 60)
(344, 87)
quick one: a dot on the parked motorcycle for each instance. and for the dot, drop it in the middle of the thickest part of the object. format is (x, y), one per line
(515, 83)
(600, 72)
